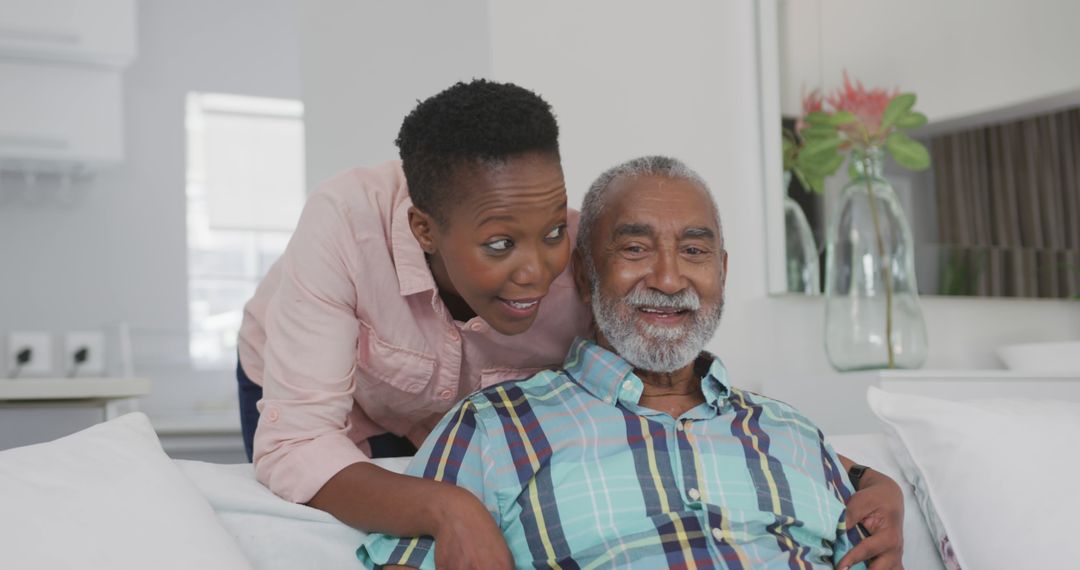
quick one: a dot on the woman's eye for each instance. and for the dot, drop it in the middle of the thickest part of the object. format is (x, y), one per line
(499, 245)
(556, 233)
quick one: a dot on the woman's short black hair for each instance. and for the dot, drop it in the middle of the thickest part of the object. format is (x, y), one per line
(476, 123)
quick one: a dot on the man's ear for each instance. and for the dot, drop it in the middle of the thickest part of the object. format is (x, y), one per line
(723, 265)
(423, 228)
(581, 276)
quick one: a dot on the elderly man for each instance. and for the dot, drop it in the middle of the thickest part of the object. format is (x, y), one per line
(640, 452)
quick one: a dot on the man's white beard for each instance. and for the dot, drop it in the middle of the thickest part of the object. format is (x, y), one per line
(654, 348)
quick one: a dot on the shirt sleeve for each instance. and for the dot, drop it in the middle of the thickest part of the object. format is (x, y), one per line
(310, 358)
(848, 534)
(453, 453)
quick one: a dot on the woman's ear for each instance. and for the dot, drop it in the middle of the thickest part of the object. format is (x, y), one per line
(423, 228)
(581, 276)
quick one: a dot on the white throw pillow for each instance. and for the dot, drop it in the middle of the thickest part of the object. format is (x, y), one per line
(106, 497)
(274, 533)
(998, 473)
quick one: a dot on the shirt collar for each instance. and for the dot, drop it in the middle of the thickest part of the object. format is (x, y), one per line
(414, 275)
(610, 378)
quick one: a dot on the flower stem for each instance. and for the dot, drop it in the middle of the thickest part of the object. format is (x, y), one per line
(886, 269)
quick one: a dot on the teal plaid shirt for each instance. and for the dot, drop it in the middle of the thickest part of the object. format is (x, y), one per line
(578, 475)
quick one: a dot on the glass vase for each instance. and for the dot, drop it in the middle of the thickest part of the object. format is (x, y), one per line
(872, 314)
(801, 253)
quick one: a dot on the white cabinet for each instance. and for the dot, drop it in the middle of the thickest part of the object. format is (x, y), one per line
(83, 31)
(61, 82)
(43, 409)
(37, 422)
(59, 115)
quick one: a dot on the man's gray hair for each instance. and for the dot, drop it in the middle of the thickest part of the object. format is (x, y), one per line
(596, 197)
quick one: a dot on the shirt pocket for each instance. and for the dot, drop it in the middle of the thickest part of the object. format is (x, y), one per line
(392, 380)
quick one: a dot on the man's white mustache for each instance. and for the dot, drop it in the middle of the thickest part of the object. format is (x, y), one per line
(685, 300)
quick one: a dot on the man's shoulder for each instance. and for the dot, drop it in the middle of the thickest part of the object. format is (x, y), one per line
(540, 387)
(771, 409)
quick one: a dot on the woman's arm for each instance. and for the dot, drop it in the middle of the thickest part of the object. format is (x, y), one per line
(368, 497)
(878, 505)
(455, 506)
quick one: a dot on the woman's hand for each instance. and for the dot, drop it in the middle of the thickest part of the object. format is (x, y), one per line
(466, 537)
(879, 506)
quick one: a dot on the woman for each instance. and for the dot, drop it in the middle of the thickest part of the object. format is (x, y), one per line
(405, 287)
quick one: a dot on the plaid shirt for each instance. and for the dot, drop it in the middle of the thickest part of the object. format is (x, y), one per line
(578, 475)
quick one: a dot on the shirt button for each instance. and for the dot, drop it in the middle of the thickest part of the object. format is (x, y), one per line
(717, 534)
(454, 334)
(476, 326)
(445, 394)
(627, 385)
(694, 494)
(272, 414)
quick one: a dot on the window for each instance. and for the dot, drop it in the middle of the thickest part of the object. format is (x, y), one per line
(245, 190)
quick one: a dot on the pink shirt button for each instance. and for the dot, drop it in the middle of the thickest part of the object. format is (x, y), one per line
(454, 334)
(272, 414)
(445, 394)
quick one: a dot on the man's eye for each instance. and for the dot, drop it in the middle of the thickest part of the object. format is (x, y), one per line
(694, 250)
(556, 233)
(634, 249)
(499, 245)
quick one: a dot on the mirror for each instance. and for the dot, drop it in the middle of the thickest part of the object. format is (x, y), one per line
(998, 212)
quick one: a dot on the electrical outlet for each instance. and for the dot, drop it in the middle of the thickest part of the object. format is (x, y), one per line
(84, 353)
(29, 354)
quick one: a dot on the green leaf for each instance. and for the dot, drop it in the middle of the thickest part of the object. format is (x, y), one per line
(817, 132)
(815, 165)
(907, 152)
(834, 164)
(819, 118)
(852, 172)
(820, 149)
(898, 107)
(911, 120)
(842, 118)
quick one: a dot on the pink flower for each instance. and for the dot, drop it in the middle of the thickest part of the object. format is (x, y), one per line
(867, 105)
(812, 102)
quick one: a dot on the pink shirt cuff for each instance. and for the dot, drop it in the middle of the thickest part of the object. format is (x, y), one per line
(297, 473)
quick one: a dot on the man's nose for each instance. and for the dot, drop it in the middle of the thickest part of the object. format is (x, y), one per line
(666, 275)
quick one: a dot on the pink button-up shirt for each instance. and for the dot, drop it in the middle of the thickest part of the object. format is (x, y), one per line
(349, 338)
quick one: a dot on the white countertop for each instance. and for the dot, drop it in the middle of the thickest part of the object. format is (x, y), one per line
(72, 388)
(994, 374)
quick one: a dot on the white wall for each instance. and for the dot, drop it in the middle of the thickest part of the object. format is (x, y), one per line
(968, 61)
(962, 57)
(629, 78)
(366, 63)
(625, 78)
(118, 250)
